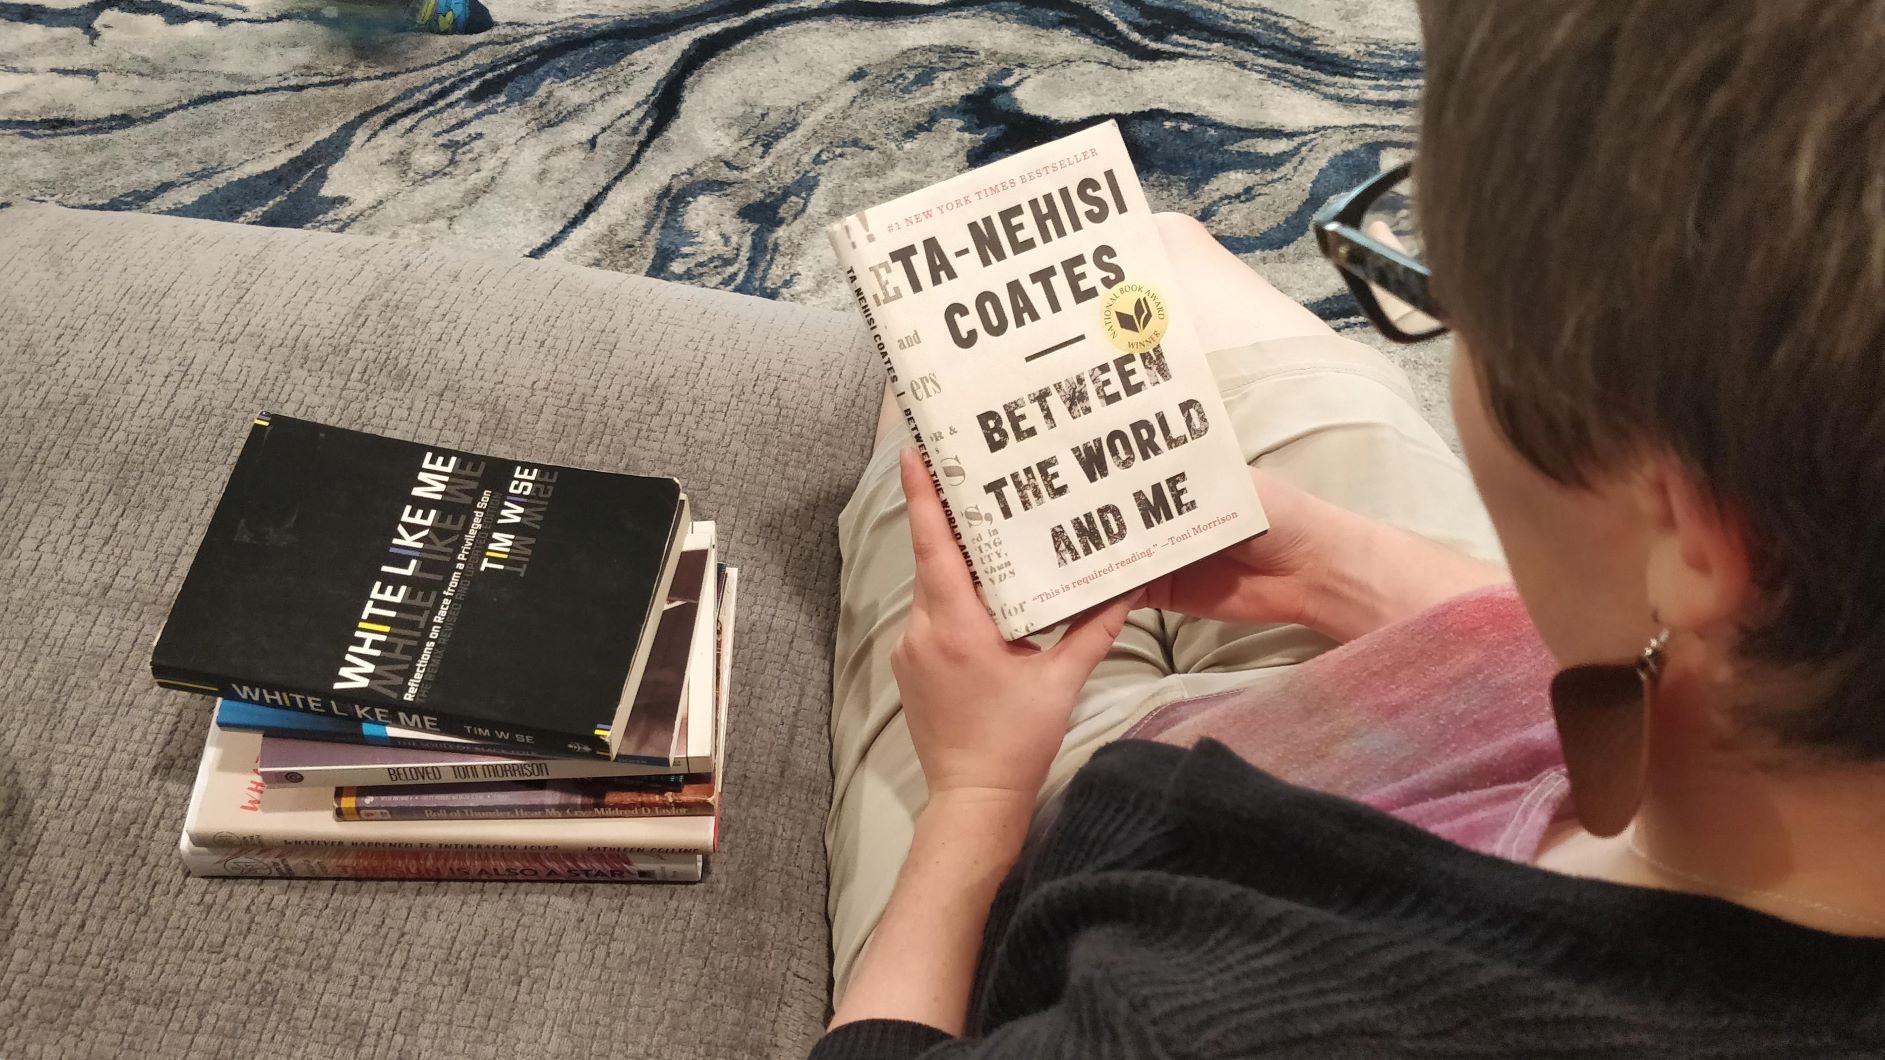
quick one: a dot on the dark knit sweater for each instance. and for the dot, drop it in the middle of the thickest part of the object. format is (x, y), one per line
(1184, 904)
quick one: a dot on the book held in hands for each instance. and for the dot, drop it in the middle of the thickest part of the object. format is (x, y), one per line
(1044, 358)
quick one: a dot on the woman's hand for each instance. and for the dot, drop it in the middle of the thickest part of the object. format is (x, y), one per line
(1269, 578)
(1320, 566)
(986, 715)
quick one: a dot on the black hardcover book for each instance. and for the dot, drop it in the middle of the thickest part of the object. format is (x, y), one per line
(394, 583)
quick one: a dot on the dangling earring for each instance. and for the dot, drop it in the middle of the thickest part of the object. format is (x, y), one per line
(1603, 723)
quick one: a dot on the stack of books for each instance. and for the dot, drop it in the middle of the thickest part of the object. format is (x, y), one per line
(431, 664)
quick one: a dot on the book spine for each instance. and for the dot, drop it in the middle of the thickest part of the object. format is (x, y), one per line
(360, 737)
(481, 773)
(224, 842)
(350, 864)
(840, 242)
(512, 738)
(371, 804)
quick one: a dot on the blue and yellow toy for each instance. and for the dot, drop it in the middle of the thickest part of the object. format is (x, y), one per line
(442, 16)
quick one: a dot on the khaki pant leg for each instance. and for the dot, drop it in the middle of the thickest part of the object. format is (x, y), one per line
(877, 786)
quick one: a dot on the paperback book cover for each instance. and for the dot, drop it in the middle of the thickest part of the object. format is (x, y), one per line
(1046, 365)
(388, 582)
(354, 863)
(230, 807)
(517, 800)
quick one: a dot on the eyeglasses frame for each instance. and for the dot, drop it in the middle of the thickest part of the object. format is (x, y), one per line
(1362, 260)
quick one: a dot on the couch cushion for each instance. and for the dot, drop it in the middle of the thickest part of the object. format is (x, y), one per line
(133, 350)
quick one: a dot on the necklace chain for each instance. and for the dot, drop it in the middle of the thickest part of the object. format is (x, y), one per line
(1799, 903)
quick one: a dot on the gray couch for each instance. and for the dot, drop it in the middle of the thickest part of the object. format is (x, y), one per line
(133, 350)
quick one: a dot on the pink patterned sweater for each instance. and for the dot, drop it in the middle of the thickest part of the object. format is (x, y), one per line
(1441, 720)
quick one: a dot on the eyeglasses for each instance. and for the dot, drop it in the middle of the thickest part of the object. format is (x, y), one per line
(1370, 237)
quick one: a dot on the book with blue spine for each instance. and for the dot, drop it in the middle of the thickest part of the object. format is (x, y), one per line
(316, 751)
(298, 725)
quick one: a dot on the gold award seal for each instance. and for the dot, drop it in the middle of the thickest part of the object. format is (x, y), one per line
(1134, 317)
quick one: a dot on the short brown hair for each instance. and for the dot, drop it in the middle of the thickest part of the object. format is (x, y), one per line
(1660, 225)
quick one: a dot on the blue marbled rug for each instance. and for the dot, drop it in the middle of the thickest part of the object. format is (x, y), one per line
(698, 140)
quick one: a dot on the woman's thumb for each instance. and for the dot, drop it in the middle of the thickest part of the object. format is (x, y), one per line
(1090, 635)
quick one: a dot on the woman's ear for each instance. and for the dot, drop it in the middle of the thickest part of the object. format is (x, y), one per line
(1699, 577)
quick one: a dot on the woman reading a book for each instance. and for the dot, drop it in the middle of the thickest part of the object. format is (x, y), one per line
(1357, 787)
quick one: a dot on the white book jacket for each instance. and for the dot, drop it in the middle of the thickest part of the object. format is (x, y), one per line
(1046, 364)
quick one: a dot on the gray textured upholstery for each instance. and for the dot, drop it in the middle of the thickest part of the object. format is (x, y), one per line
(132, 351)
